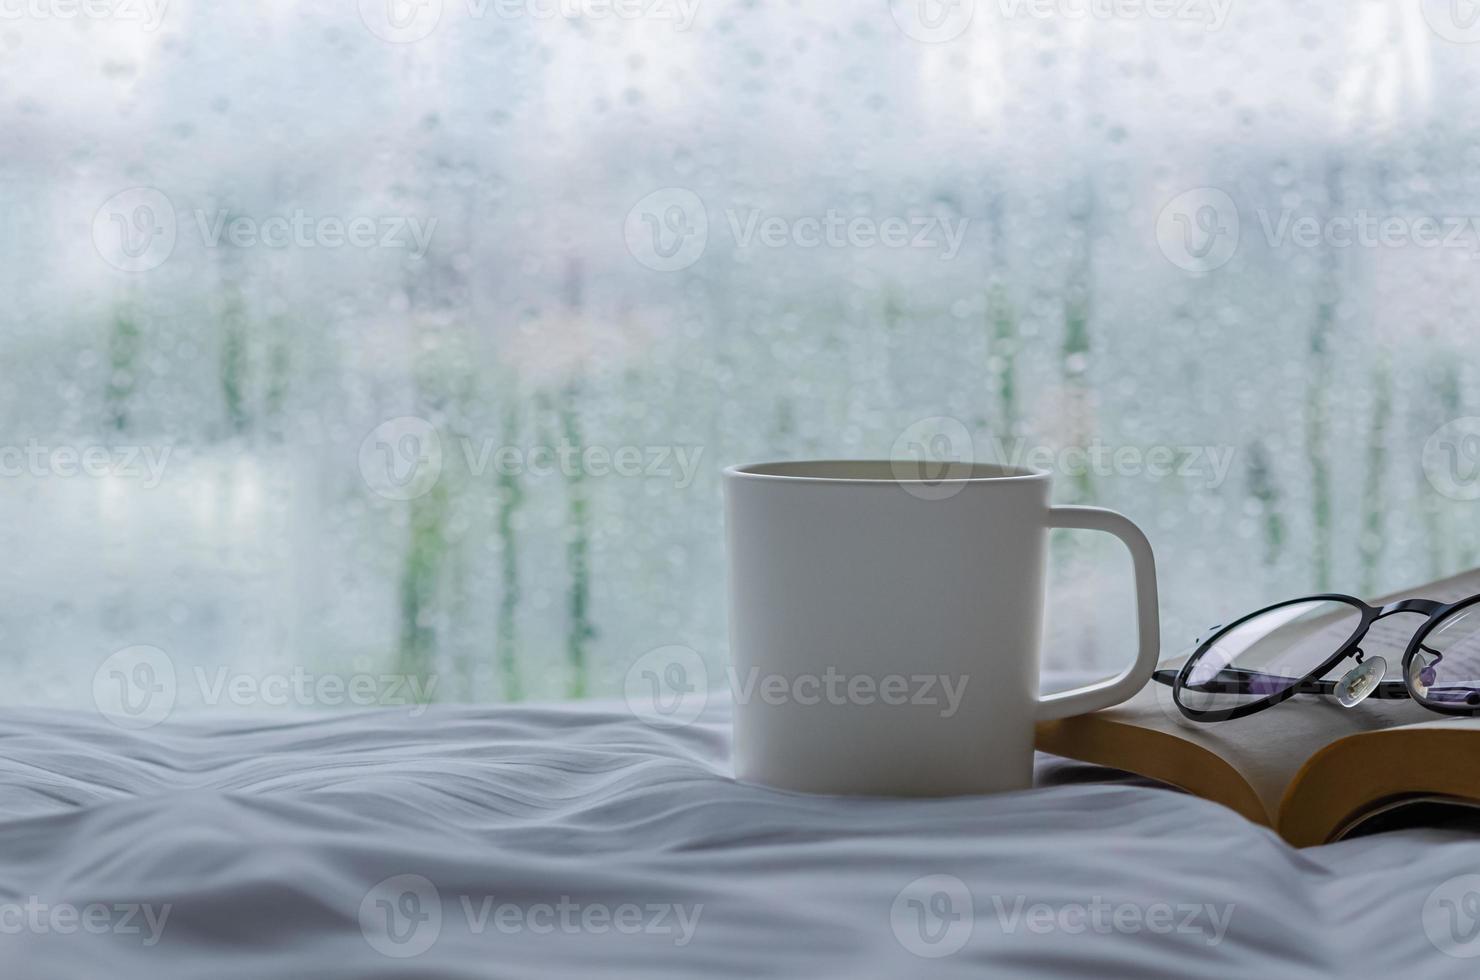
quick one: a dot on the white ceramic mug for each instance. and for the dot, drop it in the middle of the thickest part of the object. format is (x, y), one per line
(885, 627)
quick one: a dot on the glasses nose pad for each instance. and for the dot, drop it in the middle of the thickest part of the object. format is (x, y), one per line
(1356, 684)
(1421, 673)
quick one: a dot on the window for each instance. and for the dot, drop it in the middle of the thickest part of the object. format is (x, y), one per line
(410, 340)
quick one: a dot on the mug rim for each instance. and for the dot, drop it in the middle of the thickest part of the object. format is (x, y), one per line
(979, 472)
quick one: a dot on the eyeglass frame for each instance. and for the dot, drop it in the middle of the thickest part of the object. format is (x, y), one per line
(1314, 681)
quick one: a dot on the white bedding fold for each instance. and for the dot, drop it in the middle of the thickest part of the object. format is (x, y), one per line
(257, 848)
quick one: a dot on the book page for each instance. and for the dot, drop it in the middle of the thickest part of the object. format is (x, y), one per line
(1390, 637)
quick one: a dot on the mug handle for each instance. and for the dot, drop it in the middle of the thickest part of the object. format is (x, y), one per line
(1148, 626)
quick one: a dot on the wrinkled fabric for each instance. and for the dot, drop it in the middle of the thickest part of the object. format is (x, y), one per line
(269, 840)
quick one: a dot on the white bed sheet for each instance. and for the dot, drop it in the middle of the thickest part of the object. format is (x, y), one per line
(267, 839)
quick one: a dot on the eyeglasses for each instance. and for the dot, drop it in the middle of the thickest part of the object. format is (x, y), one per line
(1314, 646)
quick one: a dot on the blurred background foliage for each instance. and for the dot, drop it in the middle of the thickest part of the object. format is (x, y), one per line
(1322, 371)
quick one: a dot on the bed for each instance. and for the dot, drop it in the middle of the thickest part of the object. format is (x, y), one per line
(479, 842)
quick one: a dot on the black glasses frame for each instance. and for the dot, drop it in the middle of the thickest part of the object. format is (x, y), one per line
(1237, 680)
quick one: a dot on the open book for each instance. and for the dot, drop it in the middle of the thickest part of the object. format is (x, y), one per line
(1309, 768)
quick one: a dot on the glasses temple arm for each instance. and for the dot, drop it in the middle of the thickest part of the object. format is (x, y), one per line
(1238, 680)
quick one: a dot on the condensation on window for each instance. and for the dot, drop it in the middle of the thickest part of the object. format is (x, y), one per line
(411, 338)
